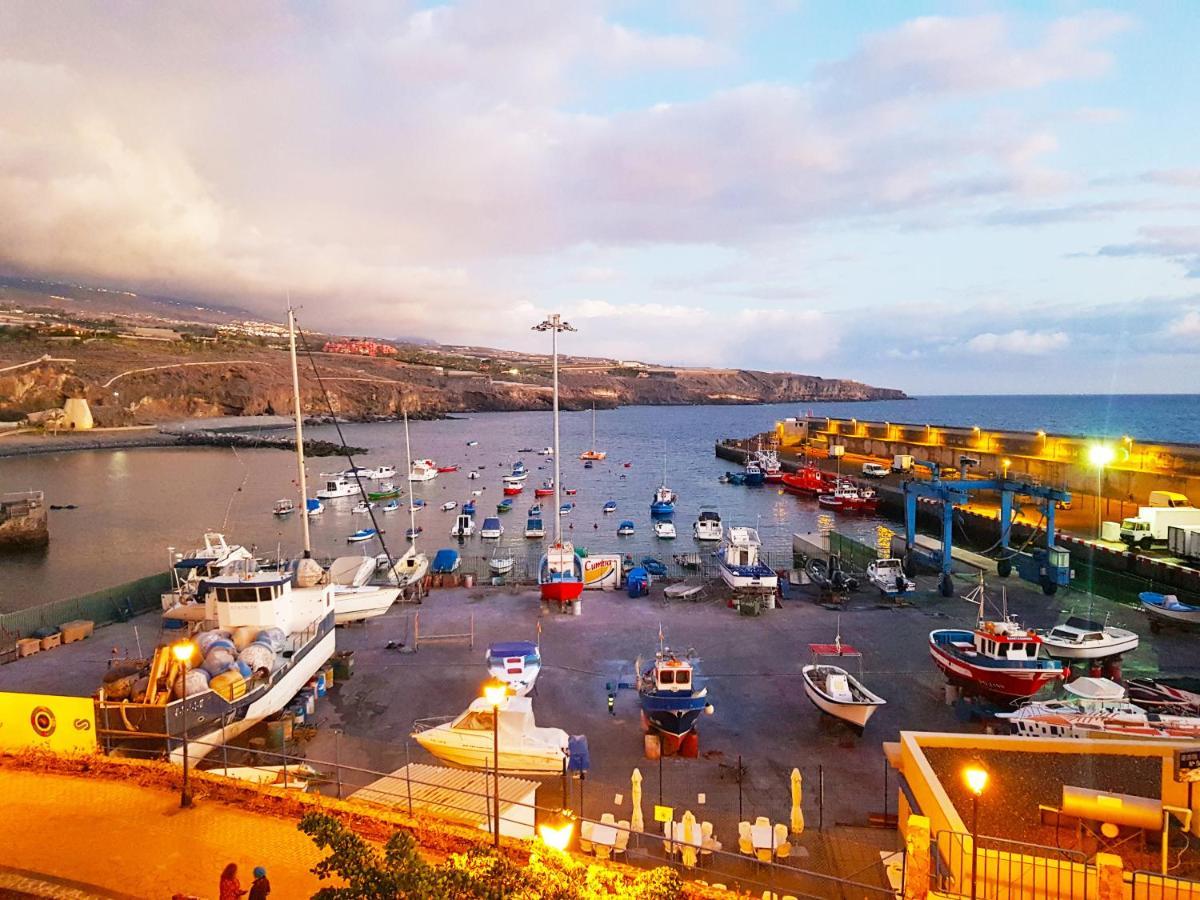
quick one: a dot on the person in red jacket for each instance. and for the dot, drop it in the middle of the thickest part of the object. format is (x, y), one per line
(231, 888)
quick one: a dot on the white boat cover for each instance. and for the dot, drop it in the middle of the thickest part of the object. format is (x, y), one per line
(351, 571)
(1095, 689)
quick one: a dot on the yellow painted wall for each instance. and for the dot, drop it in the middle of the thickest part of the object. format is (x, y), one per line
(47, 722)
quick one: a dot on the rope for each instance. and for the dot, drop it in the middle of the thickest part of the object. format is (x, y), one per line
(233, 496)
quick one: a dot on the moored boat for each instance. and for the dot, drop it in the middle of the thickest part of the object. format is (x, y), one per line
(593, 453)
(664, 530)
(363, 534)
(534, 527)
(504, 505)
(338, 487)
(663, 502)
(753, 476)
(444, 469)
(809, 481)
(626, 527)
(491, 529)
(707, 526)
(463, 527)
(422, 470)
(609, 507)
(284, 506)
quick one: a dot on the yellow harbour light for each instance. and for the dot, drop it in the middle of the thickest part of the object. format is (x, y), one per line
(1101, 455)
(976, 778)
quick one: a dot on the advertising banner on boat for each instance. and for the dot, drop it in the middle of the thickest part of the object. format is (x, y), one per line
(602, 572)
(47, 722)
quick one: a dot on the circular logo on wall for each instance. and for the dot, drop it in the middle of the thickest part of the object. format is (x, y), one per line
(43, 721)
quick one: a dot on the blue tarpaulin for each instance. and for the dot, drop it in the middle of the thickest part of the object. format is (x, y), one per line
(513, 648)
(193, 563)
(577, 753)
(444, 561)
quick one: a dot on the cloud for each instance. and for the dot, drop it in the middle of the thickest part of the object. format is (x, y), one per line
(1019, 342)
(1189, 178)
(1178, 244)
(1186, 326)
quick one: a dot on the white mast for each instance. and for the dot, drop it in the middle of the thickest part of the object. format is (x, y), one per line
(412, 513)
(554, 324)
(299, 433)
(593, 426)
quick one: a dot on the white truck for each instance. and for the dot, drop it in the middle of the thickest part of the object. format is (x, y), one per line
(902, 462)
(1184, 541)
(1149, 526)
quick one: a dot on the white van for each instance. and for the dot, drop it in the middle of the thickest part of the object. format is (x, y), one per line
(874, 470)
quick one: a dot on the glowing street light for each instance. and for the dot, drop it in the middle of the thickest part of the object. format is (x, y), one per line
(1100, 455)
(1004, 464)
(557, 836)
(976, 778)
(183, 653)
(1045, 440)
(494, 692)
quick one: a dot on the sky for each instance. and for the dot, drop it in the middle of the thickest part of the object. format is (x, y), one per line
(940, 197)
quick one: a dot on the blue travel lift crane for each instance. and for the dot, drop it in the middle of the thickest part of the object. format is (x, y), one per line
(1049, 566)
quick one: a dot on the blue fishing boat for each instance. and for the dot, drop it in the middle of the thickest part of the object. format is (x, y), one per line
(663, 503)
(610, 506)
(469, 508)
(363, 534)
(534, 527)
(672, 696)
(504, 505)
(653, 566)
(753, 476)
(411, 533)
(626, 527)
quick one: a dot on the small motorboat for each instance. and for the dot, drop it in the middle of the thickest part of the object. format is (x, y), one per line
(362, 506)
(1172, 694)
(664, 530)
(363, 534)
(284, 507)
(753, 476)
(472, 443)
(546, 451)
(467, 739)
(588, 464)
(469, 508)
(534, 528)
(723, 479)
(445, 561)
(382, 472)
(625, 528)
(443, 469)
(418, 503)
(707, 526)
(688, 560)
(1167, 608)
(516, 663)
(835, 691)
(449, 505)
(663, 502)
(504, 505)
(491, 529)
(609, 507)
(410, 534)
(1084, 639)
(338, 487)
(570, 492)
(736, 478)
(888, 575)
(655, 567)
(472, 475)
(313, 507)
(500, 565)
(422, 470)
(391, 506)
(386, 491)
(546, 490)
(463, 527)
(566, 508)
(535, 511)
(512, 490)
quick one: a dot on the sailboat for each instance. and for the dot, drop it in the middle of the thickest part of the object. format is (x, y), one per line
(412, 565)
(560, 575)
(593, 453)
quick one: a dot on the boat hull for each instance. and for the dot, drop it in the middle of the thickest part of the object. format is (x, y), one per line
(565, 591)
(1070, 651)
(1158, 610)
(479, 755)
(856, 714)
(674, 716)
(359, 605)
(1005, 684)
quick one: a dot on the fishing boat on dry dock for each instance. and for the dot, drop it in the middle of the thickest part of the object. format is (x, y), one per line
(672, 697)
(999, 660)
(1167, 609)
(516, 664)
(835, 691)
(354, 597)
(740, 562)
(467, 739)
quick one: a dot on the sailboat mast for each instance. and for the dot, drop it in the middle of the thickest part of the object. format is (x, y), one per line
(593, 426)
(299, 433)
(412, 513)
(557, 455)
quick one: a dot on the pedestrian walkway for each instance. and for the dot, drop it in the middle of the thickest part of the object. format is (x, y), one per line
(121, 839)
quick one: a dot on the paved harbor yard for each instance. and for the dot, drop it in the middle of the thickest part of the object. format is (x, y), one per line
(753, 665)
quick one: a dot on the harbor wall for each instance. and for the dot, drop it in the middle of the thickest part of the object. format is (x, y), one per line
(23, 522)
(1059, 460)
(101, 607)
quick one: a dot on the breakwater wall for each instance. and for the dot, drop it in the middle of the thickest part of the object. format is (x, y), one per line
(1132, 470)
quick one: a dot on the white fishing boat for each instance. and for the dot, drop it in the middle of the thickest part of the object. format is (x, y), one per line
(500, 564)
(664, 530)
(707, 526)
(1098, 708)
(516, 664)
(383, 472)
(1084, 639)
(363, 507)
(515, 478)
(741, 565)
(463, 527)
(466, 740)
(354, 598)
(191, 570)
(284, 506)
(449, 505)
(422, 470)
(835, 691)
(336, 487)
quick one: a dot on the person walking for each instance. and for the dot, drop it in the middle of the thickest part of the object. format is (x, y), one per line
(231, 888)
(261, 887)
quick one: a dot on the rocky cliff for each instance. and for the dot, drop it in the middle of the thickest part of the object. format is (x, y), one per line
(130, 382)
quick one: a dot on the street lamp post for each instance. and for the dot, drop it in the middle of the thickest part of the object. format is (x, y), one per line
(495, 691)
(977, 779)
(183, 653)
(1100, 456)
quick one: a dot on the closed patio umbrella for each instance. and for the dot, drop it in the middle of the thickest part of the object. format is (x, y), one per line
(690, 833)
(797, 796)
(636, 822)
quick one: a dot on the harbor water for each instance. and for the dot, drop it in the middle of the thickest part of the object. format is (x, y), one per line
(132, 505)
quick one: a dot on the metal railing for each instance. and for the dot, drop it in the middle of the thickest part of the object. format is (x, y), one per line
(992, 868)
(1148, 885)
(765, 869)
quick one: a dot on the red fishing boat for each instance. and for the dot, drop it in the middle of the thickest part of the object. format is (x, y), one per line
(998, 659)
(546, 490)
(570, 492)
(849, 498)
(511, 490)
(809, 481)
(447, 468)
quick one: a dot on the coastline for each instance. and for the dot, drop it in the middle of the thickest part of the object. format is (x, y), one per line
(21, 445)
